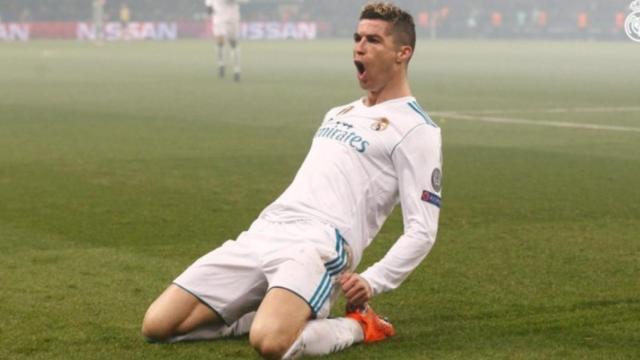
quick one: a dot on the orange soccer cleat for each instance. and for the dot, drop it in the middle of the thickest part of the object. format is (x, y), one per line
(374, 327)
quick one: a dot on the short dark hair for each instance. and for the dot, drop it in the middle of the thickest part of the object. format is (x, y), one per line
(403, 28)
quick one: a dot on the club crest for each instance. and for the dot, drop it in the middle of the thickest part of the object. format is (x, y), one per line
(632, 22)
(380, 124)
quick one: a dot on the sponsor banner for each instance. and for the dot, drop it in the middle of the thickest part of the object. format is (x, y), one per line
(14, 32)
(53, 30)
(279, 30)
(148, 30)
(113, 31)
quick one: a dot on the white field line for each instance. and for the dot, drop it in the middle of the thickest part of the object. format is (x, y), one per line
(503, 120)
(549, 110)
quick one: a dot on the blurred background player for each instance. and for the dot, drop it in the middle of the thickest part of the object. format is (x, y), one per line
(98, 18)
(226, 28)
(125, 18)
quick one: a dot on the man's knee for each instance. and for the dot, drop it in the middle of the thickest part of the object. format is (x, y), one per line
(155, 328)
(279, 321)
(269, 343)
(174, 311)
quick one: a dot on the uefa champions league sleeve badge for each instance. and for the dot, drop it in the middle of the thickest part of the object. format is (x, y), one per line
(632, 23)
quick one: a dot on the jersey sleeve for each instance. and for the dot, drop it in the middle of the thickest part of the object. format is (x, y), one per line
(417, 160)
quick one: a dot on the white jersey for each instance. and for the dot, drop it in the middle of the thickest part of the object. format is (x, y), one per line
(362, 162)
(224, 10)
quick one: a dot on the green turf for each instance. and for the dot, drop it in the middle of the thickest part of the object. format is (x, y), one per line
(120, 164)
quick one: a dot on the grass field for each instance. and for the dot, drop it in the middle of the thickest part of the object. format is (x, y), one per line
(121, 164)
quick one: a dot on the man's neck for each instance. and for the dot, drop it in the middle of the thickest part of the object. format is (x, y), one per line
(392, 90)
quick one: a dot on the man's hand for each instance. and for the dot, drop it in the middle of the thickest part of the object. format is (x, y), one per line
(356, 289)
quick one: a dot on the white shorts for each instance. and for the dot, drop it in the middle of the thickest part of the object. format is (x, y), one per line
(302, 257)
(226, 27)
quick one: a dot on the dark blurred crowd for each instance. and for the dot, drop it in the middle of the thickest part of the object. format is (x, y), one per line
(452, 18)
(492, 18)
(81, 10)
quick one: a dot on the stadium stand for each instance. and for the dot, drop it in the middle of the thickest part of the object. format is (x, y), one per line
(594, 19)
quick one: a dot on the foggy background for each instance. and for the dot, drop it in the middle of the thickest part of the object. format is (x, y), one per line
(544, 19)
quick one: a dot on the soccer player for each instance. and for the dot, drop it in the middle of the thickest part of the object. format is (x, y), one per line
(277, 281)
(125, 18)
(226, 28)
(98, 18)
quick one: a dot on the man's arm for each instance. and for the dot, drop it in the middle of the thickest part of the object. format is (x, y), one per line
(356, 289)
(418, 163)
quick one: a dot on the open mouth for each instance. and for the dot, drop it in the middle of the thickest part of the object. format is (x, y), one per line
(360, 67)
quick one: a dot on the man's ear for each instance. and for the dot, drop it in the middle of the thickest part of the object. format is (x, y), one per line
(404, 54)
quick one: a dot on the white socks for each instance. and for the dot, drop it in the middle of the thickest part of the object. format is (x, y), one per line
(220, 53)
(235, 58)
(319, 337)
(324, 336)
